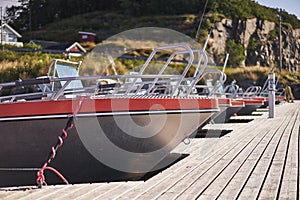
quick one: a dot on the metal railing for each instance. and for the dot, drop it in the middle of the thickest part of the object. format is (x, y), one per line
(161, 83)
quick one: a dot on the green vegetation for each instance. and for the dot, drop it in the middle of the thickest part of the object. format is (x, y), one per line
(106, 24)
(16, 65)
(236, 52)
(257, 74)
(260, 74)
(253, 44)
(273, 35)
(76, 13)
(32, 46)
(26, 45)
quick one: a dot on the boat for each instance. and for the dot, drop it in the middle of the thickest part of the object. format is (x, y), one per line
(228, 107)
(232, 107)
(279, 93)
(69, 132)
(251, 99)
(251, 105)
(254, 97)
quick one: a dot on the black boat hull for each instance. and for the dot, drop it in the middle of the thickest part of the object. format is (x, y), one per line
(90, 155)
(224, 117)
(248, 109)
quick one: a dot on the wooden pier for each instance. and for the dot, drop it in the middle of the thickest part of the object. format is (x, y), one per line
(258, 159)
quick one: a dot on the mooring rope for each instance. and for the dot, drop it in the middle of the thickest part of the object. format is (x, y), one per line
(69, 125)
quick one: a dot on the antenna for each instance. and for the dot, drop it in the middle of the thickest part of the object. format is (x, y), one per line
(225, 63)
(206, 41)
(200, 23)
(1, 25)
(280, 37)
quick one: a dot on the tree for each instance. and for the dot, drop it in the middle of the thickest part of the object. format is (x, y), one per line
(33, 14)
(236, 52)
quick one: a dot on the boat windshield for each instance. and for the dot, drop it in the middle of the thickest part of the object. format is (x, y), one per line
(65, 70)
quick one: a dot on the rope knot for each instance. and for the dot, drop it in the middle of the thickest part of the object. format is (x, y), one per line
(41, 177)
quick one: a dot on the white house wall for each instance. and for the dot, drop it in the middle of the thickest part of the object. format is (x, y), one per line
(8, 37)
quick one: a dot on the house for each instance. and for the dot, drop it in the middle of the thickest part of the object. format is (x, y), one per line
(87, 36)
(9, 36)
(70, 48)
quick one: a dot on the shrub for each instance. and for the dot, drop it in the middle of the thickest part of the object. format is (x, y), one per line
(32, 46)
(236, 52)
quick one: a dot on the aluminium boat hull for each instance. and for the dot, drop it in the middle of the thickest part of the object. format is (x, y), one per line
(230, 111)
(250, 106)
(122, 139)
(220, 113)
(228, 108)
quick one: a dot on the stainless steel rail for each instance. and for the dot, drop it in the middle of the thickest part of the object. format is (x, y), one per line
(140, 84)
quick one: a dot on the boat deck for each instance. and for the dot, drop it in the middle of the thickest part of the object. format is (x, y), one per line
(258, 159)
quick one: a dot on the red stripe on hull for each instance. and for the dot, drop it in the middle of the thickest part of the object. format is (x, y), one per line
(238, 103)
(32, 108)
(223, 101)
(252, 101)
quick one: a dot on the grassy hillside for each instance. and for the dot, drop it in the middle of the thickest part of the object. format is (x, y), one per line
(44, 12)
(106, 24)
(16, 65)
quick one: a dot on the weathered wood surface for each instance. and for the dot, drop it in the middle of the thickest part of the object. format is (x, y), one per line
(259, 159)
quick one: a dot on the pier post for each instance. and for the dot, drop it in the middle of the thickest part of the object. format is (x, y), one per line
(271, 89)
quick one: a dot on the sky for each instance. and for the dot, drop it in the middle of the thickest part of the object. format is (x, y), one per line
(291, 6)
(5, 3)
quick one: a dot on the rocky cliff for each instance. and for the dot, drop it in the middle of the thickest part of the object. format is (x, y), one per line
(260, 40)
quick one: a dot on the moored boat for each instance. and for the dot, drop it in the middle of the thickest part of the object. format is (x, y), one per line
(250, 106)
(234, 107)
(120, 131)
(136, 125)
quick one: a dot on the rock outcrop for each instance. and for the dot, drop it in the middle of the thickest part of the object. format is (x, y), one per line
(260, 39)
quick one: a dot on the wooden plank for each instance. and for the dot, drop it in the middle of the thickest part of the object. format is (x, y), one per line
(53, 192)
(232, 188)
(34, 192)
(256, 180)
(289, 188)
(100, 189)
(67, 192)
(238, 181)
(245, 117)
(228, 175)
(271, 185)
(114, 193)
(193, 191)
(151, 187)
(206, 180)
(222, 126)
(14, 193)
(188, 163)
(183, 184)
(164, 176)
(262, 110)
